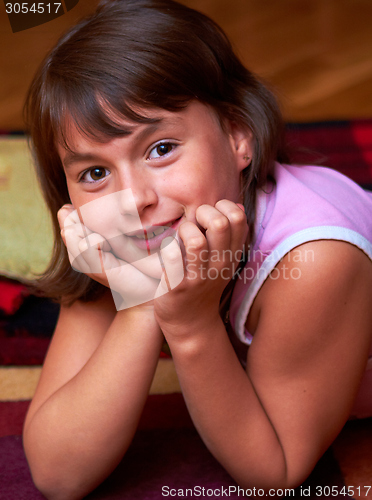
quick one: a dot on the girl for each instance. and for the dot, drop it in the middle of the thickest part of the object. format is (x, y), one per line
(144, 113)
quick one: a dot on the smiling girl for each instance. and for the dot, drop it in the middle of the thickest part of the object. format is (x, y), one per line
(145, 126)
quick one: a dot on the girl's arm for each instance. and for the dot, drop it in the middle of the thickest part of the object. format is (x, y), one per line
(269, 425)
(93, 387)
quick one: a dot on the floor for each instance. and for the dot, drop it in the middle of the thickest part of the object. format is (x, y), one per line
(316, 55)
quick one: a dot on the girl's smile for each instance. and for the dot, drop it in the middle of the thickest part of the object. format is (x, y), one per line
(150, 238)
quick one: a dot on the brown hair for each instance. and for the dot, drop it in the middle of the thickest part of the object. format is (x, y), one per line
(133, 54)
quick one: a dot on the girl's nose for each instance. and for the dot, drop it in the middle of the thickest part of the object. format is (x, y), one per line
(138, 195)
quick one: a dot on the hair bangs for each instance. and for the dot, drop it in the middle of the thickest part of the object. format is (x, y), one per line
(93, 115)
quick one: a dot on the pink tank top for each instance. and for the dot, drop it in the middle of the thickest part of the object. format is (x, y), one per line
(307, 203)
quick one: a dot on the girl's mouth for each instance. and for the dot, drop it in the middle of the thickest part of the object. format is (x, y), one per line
(151, 238)
(151, 234)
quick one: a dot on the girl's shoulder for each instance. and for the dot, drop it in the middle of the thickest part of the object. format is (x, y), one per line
(306, 204)
(313, 196)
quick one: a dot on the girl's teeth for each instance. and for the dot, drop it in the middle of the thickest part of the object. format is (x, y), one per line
(159, 231)
(152, 234)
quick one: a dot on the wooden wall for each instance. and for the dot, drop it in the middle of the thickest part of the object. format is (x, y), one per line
(317, 54)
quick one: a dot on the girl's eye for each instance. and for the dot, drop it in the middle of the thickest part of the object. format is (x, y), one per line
(95, 174)
(161, 149)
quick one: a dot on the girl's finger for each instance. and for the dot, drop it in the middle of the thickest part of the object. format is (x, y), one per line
(238, 225)
(73, 233)
(195, 249)
(64, 212)
(172, 261)
(217, 227)
(91, 249)
(94, 240)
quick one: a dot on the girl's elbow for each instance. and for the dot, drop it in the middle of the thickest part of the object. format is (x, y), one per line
(51, 486)
(272, 476)
(54, 489)
(55, 486)
(53, 475)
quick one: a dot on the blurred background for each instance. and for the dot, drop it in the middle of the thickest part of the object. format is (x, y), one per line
(315, 54)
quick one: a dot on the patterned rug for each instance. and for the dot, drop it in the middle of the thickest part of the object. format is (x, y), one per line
(166, 458)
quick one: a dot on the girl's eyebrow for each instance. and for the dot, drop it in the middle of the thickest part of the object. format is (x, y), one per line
(155, 125)
(72, 157)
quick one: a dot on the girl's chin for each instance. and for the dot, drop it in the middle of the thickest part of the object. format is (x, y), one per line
(150, 266)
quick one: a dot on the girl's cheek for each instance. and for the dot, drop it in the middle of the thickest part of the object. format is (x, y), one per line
(73, 194)
(102, 215)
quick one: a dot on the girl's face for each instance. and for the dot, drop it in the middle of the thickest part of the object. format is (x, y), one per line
(157, 175)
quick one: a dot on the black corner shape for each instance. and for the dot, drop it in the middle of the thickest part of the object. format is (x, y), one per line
(25, 15)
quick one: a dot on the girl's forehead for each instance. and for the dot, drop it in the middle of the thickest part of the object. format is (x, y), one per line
(149, 120)
(75, 129)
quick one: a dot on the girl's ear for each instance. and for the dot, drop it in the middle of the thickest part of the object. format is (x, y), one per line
(241, 139)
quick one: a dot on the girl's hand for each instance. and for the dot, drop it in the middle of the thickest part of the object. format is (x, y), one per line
(82, 244)
(213, 249)
(91, 254)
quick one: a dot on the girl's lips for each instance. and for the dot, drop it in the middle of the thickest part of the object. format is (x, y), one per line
(150, 239)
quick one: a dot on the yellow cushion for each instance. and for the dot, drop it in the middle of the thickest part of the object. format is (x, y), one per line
(25, 227)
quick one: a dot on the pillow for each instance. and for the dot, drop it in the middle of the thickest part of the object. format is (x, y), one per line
(26, 238)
